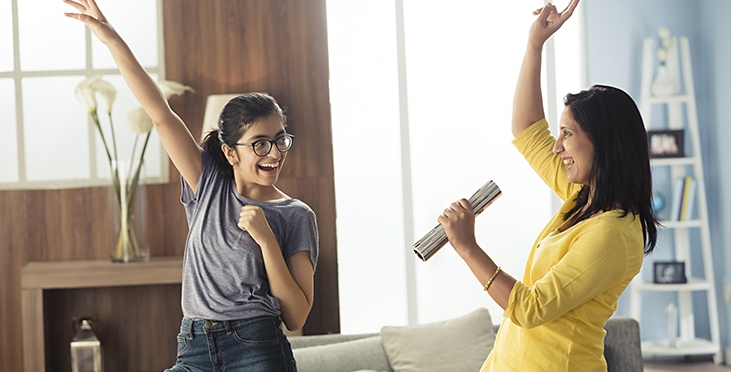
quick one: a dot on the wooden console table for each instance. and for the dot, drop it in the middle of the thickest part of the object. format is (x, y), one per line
(36, 277)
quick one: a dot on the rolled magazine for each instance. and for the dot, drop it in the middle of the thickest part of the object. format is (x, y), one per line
(436, 238)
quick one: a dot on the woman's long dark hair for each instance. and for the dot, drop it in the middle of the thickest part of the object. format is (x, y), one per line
(235, 118)
(620, 172)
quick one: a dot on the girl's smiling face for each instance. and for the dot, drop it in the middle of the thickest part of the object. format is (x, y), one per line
(250, 169)
(575, 149)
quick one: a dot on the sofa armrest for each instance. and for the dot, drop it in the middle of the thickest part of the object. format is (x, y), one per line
(622, 347)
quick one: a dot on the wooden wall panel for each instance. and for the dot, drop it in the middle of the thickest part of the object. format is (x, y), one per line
(147, 317)
(218, 46)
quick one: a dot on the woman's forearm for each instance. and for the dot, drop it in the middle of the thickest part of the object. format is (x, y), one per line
(528, 98)
(483, 267)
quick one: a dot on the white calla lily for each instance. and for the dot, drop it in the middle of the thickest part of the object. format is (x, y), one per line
(664, 32)
(666, 41)
(139, 121)
(107, 92)
(662, 55)
(125, 183)
(86, 96)
(87, 89)
(173, 88)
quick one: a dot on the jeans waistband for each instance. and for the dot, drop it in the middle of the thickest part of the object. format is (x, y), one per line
(188, 325)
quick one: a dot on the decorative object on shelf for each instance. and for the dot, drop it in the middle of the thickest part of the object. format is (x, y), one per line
(666, 143)
(684, 196)
(665, 83)
(658, 202)
(131, 241)
(86, 349)
(669, 272)
(672, 312)
(128, 218)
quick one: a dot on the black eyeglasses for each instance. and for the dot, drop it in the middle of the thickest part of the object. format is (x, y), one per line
(262, 147)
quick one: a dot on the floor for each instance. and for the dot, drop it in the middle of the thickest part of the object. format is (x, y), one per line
(695, 364)
(685, 367)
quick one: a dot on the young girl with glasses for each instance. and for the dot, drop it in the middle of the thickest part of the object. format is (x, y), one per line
(251, 250)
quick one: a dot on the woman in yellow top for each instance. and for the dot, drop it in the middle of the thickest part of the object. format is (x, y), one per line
(592, 247)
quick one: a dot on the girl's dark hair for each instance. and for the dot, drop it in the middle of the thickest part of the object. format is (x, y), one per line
(620, 171)
(235, 118)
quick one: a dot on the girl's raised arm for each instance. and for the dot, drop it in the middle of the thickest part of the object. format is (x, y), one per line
(175, 136)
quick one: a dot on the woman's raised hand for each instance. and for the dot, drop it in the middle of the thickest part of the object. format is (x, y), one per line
(90, 14)
(548, 22)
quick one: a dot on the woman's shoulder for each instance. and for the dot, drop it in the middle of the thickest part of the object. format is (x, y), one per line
(618, 215)
(616, 226)
(616, 219)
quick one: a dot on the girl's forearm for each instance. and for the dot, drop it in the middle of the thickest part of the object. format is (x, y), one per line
(145, 90)
(295, 297)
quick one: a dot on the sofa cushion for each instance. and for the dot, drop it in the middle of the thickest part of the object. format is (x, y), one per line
(332, 338)
(365, 353)
(460, 344)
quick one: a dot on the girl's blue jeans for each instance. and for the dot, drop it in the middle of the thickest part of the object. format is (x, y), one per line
(252, 345)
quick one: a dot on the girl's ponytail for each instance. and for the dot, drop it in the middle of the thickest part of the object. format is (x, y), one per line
(213, 146)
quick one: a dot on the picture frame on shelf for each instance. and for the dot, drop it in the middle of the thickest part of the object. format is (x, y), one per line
(669, 272)
(666, 143)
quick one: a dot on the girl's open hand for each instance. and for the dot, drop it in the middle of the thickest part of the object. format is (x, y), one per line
(549, 21)
(90, 14)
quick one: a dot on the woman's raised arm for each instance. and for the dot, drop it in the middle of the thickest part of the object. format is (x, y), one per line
(528, 99)
(175, 136)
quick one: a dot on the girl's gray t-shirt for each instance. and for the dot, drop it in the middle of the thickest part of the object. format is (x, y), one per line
(223, 270)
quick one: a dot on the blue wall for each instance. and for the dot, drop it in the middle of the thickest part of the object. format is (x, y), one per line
(715, 63)
(615, 31)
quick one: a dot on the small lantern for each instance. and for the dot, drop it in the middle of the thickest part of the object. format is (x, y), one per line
(86, 349)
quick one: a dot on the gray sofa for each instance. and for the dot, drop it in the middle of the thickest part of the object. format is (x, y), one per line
(369, 352)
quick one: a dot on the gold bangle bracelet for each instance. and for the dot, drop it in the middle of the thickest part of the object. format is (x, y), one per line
(492, 278)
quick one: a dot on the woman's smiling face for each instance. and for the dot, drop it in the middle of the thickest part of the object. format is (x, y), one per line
(575, 149)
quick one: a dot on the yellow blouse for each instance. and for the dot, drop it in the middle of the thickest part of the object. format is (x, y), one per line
(556, 315)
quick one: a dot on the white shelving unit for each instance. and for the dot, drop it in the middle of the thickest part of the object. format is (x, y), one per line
(687, 343)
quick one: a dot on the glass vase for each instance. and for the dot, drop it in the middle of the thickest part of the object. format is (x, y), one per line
(663, 85)
(128, 209)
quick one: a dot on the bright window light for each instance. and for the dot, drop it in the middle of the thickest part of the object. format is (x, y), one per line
(48, 139)
(461, 65)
